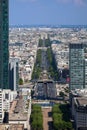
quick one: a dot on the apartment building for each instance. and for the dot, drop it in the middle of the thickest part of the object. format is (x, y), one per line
(6, 97)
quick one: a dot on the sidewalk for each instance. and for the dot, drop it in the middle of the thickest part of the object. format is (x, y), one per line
(47, 119)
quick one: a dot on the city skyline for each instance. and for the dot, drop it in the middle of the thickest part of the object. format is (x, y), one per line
(54, 12)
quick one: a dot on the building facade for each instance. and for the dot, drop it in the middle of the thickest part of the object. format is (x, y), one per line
(85, 76)
(13, 74)
(6, 97)
(1, 106)
(76, 65)
(4, 53)
(80, 112)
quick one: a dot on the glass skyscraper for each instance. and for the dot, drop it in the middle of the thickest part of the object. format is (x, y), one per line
(13, 73)
(77, 66)
(4, 53)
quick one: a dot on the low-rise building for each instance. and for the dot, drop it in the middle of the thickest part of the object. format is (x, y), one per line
(11, 127)
(6, 97)
(18, 113)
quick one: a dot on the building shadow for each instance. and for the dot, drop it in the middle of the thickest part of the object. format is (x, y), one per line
(49, 114)
(50, 125)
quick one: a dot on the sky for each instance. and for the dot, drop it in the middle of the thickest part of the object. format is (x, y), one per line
(52, 12)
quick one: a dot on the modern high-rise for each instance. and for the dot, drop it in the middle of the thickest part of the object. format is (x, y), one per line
(4, 53)
(77, 66)
(13, 73)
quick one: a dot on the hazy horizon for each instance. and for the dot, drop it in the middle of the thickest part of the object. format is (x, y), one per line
(47, 12)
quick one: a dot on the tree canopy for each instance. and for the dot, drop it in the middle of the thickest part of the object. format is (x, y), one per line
(36, 118)
(61, 117)
(20, 81)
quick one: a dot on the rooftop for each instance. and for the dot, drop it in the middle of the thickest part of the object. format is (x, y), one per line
(11, 126)
(81, 101)
(17, 110)
(80, 92)
(18, 117)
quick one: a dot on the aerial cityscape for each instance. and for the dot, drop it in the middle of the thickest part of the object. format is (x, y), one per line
(43, 66)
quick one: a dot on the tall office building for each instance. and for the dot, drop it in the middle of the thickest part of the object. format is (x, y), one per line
(4, 53)
(13, 74)
(77, 66)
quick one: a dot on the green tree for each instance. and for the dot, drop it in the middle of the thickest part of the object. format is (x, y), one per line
(20, 81)
(40, 43)
(37, 69)
(52, 64)
(61, 117)
(36, 118)
(61, 94)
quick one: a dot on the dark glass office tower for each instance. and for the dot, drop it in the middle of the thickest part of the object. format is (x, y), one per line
(4, 53)
(76, 65)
